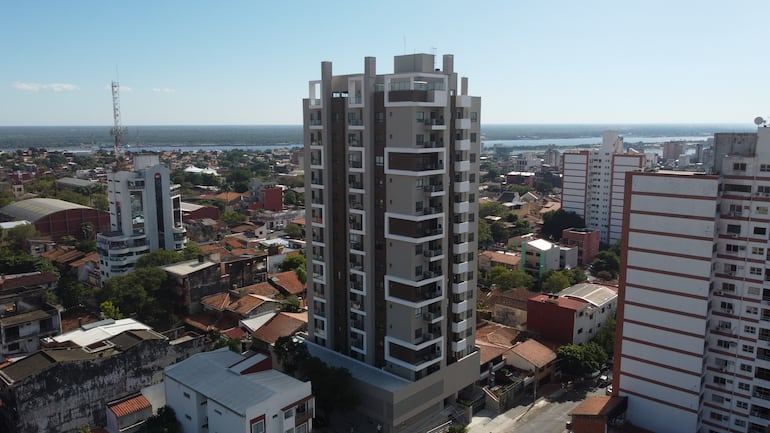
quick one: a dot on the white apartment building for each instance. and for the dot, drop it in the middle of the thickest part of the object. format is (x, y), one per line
(693, 340)
(145, 215)
(593, 182)
(391, 180)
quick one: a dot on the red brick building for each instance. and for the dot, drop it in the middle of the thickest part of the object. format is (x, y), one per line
(586, 240)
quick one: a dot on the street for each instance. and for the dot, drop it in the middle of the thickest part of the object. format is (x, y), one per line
(548, 415)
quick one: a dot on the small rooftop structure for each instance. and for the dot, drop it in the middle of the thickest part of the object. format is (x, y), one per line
(183, 269)
(95, 332)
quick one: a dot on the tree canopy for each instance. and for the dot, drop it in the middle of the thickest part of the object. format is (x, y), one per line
(292, 262)
(578, 360)
(556, 221)
(144, 293)
(606, 261)
(506, 279)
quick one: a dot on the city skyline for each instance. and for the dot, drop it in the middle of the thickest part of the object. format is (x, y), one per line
(197, 64)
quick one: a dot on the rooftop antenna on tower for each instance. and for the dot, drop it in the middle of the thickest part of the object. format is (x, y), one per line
(117, 130)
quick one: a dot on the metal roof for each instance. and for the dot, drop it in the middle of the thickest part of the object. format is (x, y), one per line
(183, 269)
(209, 374)
(100, 331)
(591, 293)
(34, 209)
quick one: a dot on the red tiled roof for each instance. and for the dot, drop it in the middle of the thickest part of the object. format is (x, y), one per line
(241, 251)
(212, 321)
(132, 405)
(282, 325)
(218, 301)
(535, 353)
(261, 289)
(246, 304)
(599, 405)
(27, 280)
(233, 242)
(90, 257)
(235, 333)
(289, 282)
(69, 256)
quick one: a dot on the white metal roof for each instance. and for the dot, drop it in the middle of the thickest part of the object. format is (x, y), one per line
(209, 374)
(34, 209)
(99, 331)
(592, 293)
(541, 244)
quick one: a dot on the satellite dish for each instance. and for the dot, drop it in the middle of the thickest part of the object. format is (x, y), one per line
(759, 120)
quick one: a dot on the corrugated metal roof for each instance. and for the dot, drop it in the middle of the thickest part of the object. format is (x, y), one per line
(34, 209)
(591, 293)
(209, 374)
(87, 335)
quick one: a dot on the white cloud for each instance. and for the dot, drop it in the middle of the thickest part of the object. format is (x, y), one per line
(123, 89)
(163, 90)
(36, 87)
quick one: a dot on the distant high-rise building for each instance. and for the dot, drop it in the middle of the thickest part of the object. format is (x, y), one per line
(592, 184)
(391, 180)
(692, 349)
(672, 150)
(145, 215)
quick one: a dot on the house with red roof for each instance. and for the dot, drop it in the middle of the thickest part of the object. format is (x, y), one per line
(288, 284)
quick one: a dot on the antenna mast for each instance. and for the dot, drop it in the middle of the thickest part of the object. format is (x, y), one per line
(117, 129)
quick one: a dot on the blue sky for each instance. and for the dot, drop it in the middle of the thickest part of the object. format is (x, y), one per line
(248, 62)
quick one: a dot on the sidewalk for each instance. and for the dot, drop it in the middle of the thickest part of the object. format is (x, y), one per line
(489, 421)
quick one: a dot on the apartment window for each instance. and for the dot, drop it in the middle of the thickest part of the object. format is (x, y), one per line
(258, 427)
(755, 271)
(475, 118)
(747, 368)
(752, 310)
(580, 331)
(731, 248)
(726, 305)
(473, 137)
(728, 287)
(743, 386)
(420, 117)
(418, 206)
(288, 414)
(472, 158)
(758, 251)
(379, 160)
(418, 249)
(379, 117)
(749, 329)
(763, 189)
(724, 344)
(739, 166)
(732, 187)
(740, 422)
(748, 348)
(762, 210)
(734, 229)
(719, 380)
(472, 178)
(764, 167)
(753, 291)
(760, 230)
(716, 398)
(472, 198)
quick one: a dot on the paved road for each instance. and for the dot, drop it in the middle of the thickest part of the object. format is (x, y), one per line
(548, 415)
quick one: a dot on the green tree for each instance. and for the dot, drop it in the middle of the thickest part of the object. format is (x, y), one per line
(485, 233)
(577, 360)
(110, 311)
(606, 261)
(499, 232)
(17, 236)
(144, 292)
(301, 274)
(291, 353)
(158, 258)
(555, 282)
(291, 304)
(506, 279)
(492, 208)
(163, 422)
(293, 262)
(556, 221)
(605, 338)
(232, 218)
(294, 231)
(191, 251)
(72, 292)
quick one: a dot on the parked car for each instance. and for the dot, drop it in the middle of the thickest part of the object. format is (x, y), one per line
(603, 380)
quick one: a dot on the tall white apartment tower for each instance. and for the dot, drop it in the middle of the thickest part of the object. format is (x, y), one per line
(593, 181)
(145, 215)
(692, 348)
(391, 178)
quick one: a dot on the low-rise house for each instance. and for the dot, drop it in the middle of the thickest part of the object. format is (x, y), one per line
(281, 325)
(597, 414)
(534, 357)
(288, 284)
(128, 415)
(222, 391)
(194, 280)
(25, 315)
(490, 259)
(508, 307)
(574, 315)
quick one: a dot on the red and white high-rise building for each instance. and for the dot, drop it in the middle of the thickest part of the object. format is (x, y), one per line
(692, 348)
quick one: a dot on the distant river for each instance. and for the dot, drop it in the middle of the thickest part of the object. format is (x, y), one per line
(574, 142)
(558, 142)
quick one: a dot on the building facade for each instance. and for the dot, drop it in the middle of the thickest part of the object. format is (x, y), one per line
(145, 215)
(592, 184)
(693, 318)
(391, 172)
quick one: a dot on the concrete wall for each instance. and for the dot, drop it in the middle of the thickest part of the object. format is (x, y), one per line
(69, 395)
